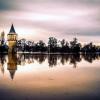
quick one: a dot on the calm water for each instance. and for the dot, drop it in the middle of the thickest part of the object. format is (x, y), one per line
(49, 77)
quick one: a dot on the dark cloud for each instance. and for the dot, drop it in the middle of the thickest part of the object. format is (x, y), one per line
(86, 2)
(6, 5)
(87, 24)
(18, 4)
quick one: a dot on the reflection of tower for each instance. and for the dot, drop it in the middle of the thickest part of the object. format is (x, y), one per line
(2, 62)
(52, 60)
(12, 64)
(2, 38)
(12, 39)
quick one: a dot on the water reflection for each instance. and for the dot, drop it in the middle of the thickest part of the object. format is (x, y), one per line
(53, 59)
(12, 64)
(2, 62)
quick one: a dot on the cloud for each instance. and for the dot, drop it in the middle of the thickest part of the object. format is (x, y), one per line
(52, 16)
(22, 4)
(6, 5)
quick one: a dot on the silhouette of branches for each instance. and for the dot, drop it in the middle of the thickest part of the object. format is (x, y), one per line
(56, 46)
(53, 46)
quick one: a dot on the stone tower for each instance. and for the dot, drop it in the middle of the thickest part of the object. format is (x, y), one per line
(12, 64)
(12, 40)
(2, 38)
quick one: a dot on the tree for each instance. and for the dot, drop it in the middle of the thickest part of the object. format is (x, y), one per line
(42, 46)
(64, 46)
(75, 46)
(62, 43)
(21, 45)
(88, 48)
(52, 44)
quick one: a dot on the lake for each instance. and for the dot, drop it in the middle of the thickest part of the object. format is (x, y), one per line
(49, 76)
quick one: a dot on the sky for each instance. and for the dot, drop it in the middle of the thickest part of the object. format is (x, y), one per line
(40, 19)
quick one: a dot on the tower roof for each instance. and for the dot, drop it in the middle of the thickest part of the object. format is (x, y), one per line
(12, 30)
(12, 73)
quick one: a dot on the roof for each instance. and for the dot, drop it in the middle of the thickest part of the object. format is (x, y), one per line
(12, 30)
(12, 73)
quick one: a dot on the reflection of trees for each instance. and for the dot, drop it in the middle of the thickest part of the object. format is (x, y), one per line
(23, 59)
(2, 62)
(74, 58)
(53, 59)
(64, 58)
(90, 57)
(29, 58)
(40, 57)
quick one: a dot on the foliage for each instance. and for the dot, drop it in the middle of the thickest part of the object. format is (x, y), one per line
(53, 46)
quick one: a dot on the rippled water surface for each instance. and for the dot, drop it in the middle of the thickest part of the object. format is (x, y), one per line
(50, 77)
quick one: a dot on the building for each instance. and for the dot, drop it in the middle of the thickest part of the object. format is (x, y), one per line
(12, 40)
(12, 64)
(2, 38)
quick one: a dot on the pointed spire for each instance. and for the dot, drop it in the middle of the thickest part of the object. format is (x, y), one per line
(12, 73)
(12, 30)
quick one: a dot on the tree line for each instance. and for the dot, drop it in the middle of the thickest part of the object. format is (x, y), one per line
(53, 46)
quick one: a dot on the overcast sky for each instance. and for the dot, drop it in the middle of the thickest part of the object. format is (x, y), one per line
(39, 19)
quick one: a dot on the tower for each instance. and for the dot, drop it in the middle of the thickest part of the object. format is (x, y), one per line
(12, 64)
(2, 38)
(12, 39)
